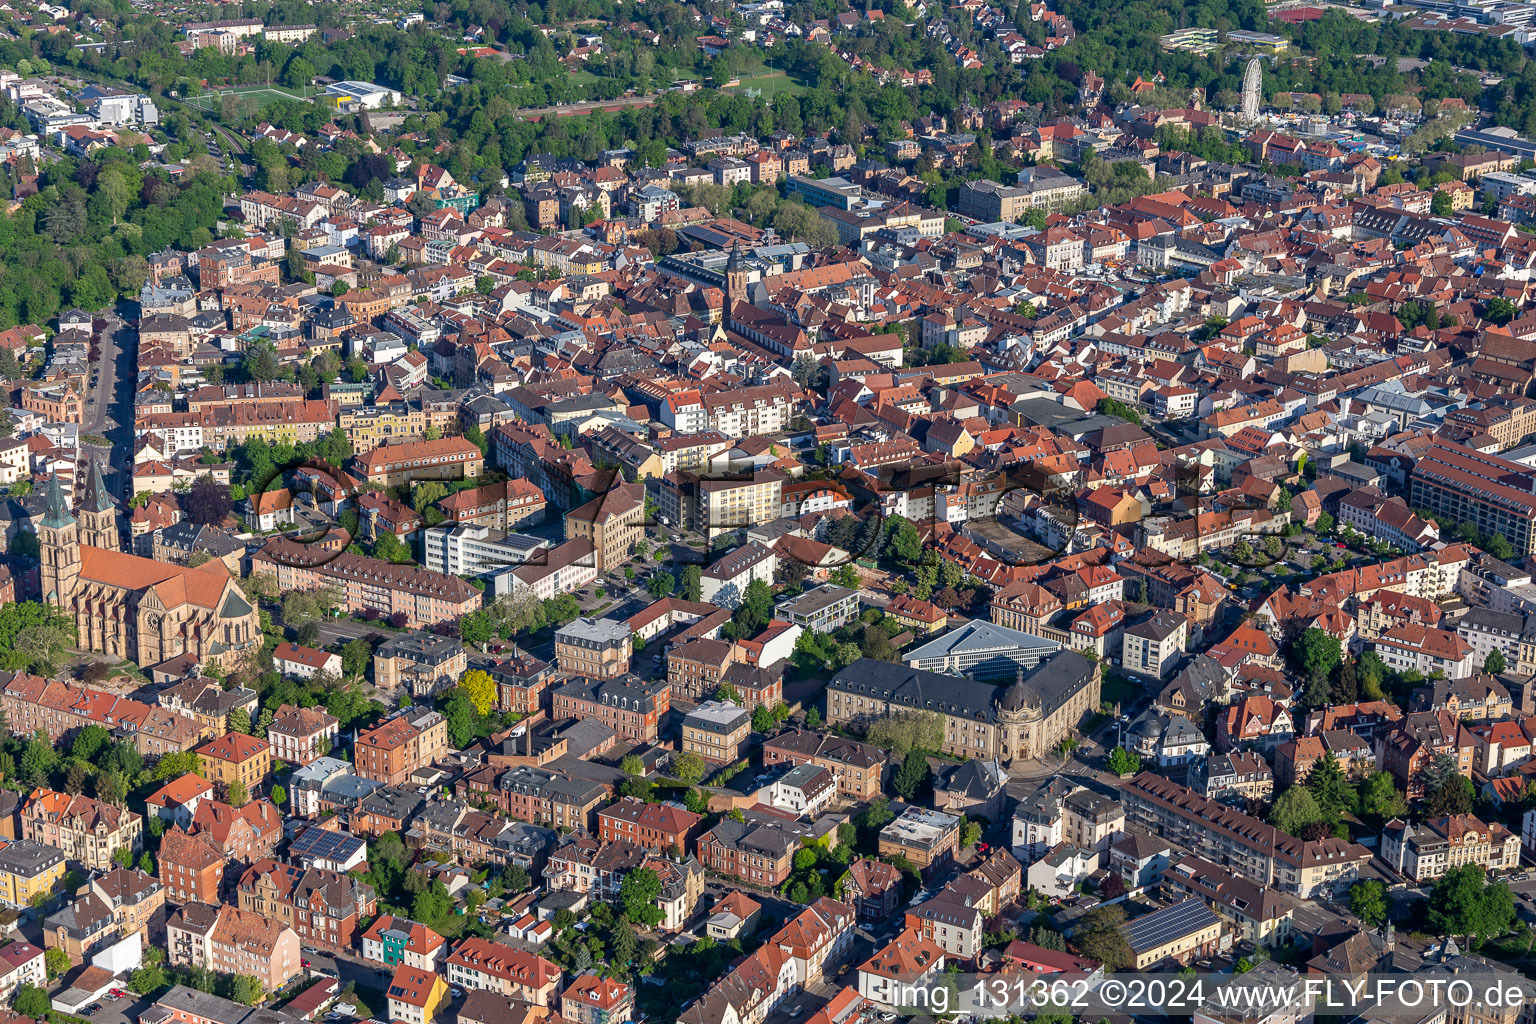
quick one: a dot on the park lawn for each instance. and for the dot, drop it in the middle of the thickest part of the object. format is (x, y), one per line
(583, 77)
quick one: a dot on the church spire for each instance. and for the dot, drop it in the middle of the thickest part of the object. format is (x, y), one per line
(97, 498)
(57, 515)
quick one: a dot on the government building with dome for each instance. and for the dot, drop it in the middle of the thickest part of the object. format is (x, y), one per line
(1017, 721)
(136, 608)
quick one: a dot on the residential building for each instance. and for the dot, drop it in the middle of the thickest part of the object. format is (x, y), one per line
(392, 750)
(631, 707)
(599, 648)
(660, 827)
(324, 907)
(1246, 845)
(392, 940)
(415, 995)
(299, 735)
(1178, 933)
(28, 869)
(477, 963)
(856, 766)
(426, 664)
(228, 940)
(822, 609)
(717, 731)
(1429, 850)
(83, 829)
(236, 758)
(929, 839)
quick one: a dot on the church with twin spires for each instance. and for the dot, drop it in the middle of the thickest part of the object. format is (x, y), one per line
(136, 608)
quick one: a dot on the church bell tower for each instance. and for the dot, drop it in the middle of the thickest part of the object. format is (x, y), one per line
(735, 280)
(98, 513)
(58, 537)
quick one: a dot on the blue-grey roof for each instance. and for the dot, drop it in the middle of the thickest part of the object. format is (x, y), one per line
(976, 637)
(1163, 926)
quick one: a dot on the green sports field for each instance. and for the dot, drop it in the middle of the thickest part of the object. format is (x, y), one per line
(262, 95)
(768, 84)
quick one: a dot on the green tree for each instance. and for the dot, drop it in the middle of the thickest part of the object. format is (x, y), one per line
(279, 795)
(246, 989)
(90, 741)
(907, 731)
(902, 542)
(1464, 903)
(693, 583)
(1329, 787)
(638, 895)
(355, 656)
(1123, 762)
(845, 576)
(1318, 652)
(913, 775)
(31, 1001)
(239, 795)
(515, 879)
(1500, 310)
(755, 611)
(661, 584)
(1101, 936)
(57, 962)
(478, 627)
(1294, 810)
(1495, 663)
(1368, 902)
(689, 767)
(1380, 797)
(632, 765)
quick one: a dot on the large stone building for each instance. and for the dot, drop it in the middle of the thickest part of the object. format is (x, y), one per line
(1446, 843)
(613, 522)
(131, 607)
(997, 723)
(83, 829)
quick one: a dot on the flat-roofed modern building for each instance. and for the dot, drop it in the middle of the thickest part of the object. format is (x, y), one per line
(467, 549)
(927, 838)
(821, 609)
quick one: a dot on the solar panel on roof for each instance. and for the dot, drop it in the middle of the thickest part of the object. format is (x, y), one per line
(1163, 926)
(324, 844)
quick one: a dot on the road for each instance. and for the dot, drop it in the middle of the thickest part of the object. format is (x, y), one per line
(109, 402)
